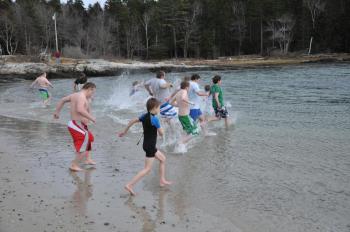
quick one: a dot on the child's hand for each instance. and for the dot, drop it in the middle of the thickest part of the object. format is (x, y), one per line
(56, 116)
(121, 134)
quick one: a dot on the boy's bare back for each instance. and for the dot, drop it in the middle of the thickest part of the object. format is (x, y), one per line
(182, 102)
(78, 101)
(43, 82)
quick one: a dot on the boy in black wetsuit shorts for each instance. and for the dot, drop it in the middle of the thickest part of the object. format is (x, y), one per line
(151, 127)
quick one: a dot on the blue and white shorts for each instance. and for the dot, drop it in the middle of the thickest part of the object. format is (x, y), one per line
(167, 111)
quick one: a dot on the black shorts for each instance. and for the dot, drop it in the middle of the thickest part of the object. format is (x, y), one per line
(221, 112)
(150, 151)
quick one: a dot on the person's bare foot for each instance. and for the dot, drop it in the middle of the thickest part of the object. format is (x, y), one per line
(163, 183)
(75, 168)
(90, 162)
(129, 189)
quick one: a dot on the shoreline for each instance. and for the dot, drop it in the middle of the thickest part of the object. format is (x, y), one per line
(23, 67)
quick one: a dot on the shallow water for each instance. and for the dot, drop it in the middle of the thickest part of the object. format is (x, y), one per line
(284, 166)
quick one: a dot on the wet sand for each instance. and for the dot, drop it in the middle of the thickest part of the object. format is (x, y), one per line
(38, 193)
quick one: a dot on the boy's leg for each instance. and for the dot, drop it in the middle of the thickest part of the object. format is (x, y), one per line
(139, 175)
(186, 138)
(88, 159)
(161, 157)
(75, 163)
(202, 124)
(47, 102)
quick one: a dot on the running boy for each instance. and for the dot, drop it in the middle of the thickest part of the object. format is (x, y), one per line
(151, 127)
(182, 102)
(136, 87)
(218, 100)
(43, 84)
(80, 117)
(195, 96)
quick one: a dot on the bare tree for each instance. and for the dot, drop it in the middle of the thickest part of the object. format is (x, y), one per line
(99, 37)
(316, 7)
(273, 29)
(284, 34)
(7, 34)
(190, 25)
(131, 37)
(239, 24)
(44, 15)
(145, 20)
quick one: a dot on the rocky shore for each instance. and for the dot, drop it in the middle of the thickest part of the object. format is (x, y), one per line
(12, 66)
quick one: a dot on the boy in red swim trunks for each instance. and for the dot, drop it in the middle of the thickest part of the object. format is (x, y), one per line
(81, 116)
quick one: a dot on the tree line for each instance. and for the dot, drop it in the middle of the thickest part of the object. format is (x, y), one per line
(159, 29)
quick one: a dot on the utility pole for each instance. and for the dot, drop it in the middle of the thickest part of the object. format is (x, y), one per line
(54, 18)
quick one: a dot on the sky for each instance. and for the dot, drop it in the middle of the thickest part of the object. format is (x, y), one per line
(87, 2)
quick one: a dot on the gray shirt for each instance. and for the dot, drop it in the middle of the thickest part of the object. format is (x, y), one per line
(157, 91)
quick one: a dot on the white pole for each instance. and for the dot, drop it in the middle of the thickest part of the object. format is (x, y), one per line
(310, 45)
(56, 32)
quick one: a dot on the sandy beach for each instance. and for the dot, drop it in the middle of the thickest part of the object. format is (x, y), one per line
(39, 193)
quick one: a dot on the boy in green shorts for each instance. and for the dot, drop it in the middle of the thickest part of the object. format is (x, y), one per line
(181, 101)
(218, 100)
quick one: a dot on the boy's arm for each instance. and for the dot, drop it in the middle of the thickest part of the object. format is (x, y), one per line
(83, 111)
(216, 96)
(130, 124)
(185, 99)
(59, 106)
(160, 131)
(166, 85)
(172, 95)
(34, 82)
(148, 89)
(173, 102)
(49, 83)
(202, 94)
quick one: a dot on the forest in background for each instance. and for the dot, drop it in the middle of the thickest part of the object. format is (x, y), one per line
(162, 29)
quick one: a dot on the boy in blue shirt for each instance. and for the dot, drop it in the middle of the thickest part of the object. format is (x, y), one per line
(151, 127)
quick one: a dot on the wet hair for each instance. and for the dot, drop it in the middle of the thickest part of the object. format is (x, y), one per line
(195, 77)
(82, 79)
(207, 88)
(152, 103)
(184, 84)
(216, 79)
(89, 85)
(160, 74)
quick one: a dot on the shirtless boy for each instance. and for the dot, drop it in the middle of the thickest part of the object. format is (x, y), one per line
(182, 102)
(80, 118)
(43, 83)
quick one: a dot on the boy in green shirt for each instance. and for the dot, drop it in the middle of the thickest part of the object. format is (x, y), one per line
(218, 100)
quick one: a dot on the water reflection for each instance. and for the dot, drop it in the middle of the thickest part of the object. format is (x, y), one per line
(144, 215)
(84, 190)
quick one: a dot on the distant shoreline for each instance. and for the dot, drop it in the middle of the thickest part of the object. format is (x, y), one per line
(24, 67)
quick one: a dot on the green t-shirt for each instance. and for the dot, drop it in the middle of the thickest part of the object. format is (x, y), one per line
(217, 89)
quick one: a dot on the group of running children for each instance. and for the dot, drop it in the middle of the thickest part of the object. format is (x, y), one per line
(187, 99)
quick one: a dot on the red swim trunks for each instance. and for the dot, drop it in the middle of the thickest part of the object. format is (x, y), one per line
(81, 135)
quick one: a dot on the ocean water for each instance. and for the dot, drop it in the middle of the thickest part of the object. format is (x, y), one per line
(283, 166)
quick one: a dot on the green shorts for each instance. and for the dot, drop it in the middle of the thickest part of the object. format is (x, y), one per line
(44, 94)
(188, 125)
